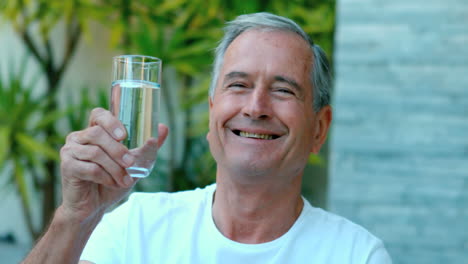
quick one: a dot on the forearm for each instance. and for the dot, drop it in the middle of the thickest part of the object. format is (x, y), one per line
(64, 240)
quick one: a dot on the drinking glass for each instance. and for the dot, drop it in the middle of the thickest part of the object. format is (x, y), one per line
(135, 102)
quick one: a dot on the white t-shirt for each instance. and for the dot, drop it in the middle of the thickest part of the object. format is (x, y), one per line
(178, 227)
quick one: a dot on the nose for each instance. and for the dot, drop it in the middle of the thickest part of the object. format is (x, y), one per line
(258, 105)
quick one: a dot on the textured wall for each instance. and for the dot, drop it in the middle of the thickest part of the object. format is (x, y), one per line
(399, 144)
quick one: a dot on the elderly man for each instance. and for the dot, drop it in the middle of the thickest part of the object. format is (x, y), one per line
(269, 109)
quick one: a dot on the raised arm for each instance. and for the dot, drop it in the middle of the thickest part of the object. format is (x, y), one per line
(93, 172)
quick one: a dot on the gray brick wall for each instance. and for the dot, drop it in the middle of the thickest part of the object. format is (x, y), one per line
(399, 143)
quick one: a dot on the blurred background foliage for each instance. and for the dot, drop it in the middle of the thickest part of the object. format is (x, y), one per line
(182, 33)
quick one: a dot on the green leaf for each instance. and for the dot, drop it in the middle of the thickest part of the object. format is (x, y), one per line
(200, 127)
(4, 144)
(169, 5)
(116, 33)
(34, 162)
(21, 183)
(202, 47)
(52, 117)
(186, 68)
(183, 17)
(32, 145)
(197, 93)
(315, 160)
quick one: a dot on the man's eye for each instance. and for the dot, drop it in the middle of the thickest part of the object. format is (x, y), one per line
(285, 91)
(237, 85)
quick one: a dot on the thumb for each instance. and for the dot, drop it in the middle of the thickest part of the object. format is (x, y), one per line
(163, 131)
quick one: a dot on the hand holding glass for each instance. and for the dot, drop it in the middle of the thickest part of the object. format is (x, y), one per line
(135, 102)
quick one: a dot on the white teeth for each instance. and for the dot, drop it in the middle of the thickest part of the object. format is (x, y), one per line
(255, 135)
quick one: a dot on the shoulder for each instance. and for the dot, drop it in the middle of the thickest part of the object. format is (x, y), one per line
(341, 235)
(336, 225)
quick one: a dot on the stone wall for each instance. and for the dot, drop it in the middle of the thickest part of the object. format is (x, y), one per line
(399, 143)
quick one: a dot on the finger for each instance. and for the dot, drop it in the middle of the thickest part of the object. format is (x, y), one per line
(86, 171)
(94, 154)
(97, 136)
(163, 131)
(132, 181)
(92, 172)
(111, 124)
(72, 152)
(152, 145)
(146, 155)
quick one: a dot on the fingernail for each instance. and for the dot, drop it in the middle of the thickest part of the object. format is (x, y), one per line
(128, 159)
(128, 180)
(118, 133)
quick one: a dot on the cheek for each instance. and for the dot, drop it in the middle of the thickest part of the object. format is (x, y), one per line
(217, 118)
(212, 136)
(224, 109)
(211, 126)
(304, 126)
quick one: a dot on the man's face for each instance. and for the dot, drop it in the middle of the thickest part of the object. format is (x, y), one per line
(261, 117)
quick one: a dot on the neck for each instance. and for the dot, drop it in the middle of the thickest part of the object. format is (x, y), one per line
(258, 212)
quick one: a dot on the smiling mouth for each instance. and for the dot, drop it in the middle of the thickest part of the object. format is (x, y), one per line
(255, 135)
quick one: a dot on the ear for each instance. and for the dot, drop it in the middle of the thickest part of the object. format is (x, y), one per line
(210, 102)
(210, 106)
(322, 125)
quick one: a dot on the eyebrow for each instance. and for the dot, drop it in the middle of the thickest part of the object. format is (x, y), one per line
(289, 81)
(235, 74)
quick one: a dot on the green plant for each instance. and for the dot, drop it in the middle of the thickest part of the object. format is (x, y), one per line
(24, 144)
(29, 18)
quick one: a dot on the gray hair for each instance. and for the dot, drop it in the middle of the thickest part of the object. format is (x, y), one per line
(320, 73)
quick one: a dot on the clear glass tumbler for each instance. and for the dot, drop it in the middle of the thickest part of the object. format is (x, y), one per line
(135, 102)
